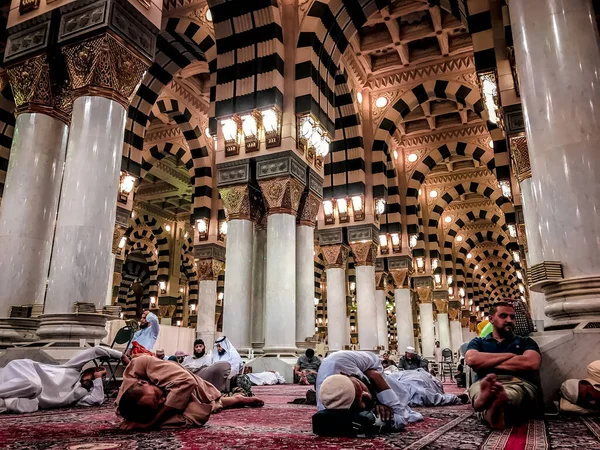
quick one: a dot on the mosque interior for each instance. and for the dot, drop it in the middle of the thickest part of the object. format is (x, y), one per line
(332, 174)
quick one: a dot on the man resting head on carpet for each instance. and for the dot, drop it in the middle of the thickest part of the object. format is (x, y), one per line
(157, 393)
(507, 369)
(351, 380)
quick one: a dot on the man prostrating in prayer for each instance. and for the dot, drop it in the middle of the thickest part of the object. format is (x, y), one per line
(157, 393)
(507, 371)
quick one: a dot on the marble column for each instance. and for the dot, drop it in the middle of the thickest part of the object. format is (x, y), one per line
(381, 310)
(208, 275)
(29, 205)
(404, 313)
(441, 305)
(425, 295)
(366, 311)
(558, 60)
(282, 195)
(305, 268)
(336, 258)
(454, 312)
(111, 274)
(259, 262)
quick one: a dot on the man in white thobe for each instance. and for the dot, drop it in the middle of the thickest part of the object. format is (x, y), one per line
(26, 385)
(147, 335)
(225, 351)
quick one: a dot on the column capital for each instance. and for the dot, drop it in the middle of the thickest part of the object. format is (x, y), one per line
(282, 194)
(209, 269)
(209, 251)
(425, 294)
(38, 88)
(364, 253)
(399, 277)
(308, 209)
(520, 157)
(380, 281)
(236, 201)
(104, 66)
(335, 256)
(465, 319)
(441, 303)
(454, 310)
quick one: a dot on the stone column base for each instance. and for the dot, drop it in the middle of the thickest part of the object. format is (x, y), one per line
(572, 300)
(71, 327)
(17, 330)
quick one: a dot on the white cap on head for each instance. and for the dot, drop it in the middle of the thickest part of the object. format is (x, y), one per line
(337, 392)
(410, 349)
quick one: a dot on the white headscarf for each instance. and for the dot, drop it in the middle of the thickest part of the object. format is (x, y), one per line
(231, 355)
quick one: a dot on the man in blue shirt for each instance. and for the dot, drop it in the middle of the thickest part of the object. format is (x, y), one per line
(148, 333)
(507, 369)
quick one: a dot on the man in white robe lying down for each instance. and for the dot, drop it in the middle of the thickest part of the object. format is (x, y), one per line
(26, 385)
(420, 388)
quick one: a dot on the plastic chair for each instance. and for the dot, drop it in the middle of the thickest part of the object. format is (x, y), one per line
(447, 358)
(123, 336)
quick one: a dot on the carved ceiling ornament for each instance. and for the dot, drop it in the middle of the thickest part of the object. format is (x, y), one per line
(378, 113)
(209, 269)
(399, 277)
(425, 294)
(460, 134)
(35, 89)
(520, 157)
(364, 253)
(282, 194)
(236, 201)
(104, 67)
(308, 210)
(335, 256)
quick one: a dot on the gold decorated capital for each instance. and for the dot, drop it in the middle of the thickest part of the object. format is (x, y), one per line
(399, 277)
(425, 294)
(282, 194)
(236, 201)
(38, 89)
(441, 305)
(520, 157)
(364, 253)
(117, 278)
(105, 67)
(454, 311)
(309, 208)
(209, 269)
(335, 256)
(465, 319)
(380, 280)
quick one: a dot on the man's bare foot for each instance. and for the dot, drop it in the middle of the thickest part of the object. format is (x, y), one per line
(253, 402)
(494, 416)
(489, 389)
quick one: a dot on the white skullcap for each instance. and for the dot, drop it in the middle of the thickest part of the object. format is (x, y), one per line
(410, 349)
(337, 392)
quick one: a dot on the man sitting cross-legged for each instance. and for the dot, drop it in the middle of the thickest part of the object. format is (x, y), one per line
(158, 393)
(506, 366)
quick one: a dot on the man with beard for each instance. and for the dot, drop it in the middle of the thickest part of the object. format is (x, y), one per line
(200, 363)
(507, 387)
(147, 335)
(225, 351)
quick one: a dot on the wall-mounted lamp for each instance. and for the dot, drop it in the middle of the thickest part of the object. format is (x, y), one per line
(379, 206)
(449, 279)
(352, 287)
(126, 185)
(163, 287)
(193, 307)
(202, 226)
(313, 138)
(342, 208)
(181, 290)
(420, 262)
(451, 291)
(461, 292)
(328, 212)
(412, 240)
(383, 244)
(488, 83)
(435, 263)
(438, 279)
(220, 296)
(122, 242)
(271, 119)
(251, 129)
(222, 230)
(153, 301)
(231, 135)
(512, 230)
(516, 257)
(316, 301)
(358, 207)
(396, 247)
(505, 186)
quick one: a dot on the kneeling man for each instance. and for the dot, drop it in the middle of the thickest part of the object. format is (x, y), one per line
(507, 368)
(352, 380)
(157, 393)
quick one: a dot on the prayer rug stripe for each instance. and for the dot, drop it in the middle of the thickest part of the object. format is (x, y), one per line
(437, 433)
(498, 439)
(537, 438)
(592, 426)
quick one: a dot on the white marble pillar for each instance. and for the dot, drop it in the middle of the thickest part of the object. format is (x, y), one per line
(465, 334)
(336, 308)
(444, 327)
(238, 283)
(207, 305)
(382, 328)
(280, 291)
(365, 307)
(558, 60)
(111, 274)
(305, 283)
(404, 319)
(28, 212)
(259, 261)
(455, 335)
(82, 250)
(436, 330)
(427, 331)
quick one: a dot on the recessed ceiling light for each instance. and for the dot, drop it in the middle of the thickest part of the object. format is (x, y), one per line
(413, 157)
(448, 219)
(381, 102)
(395, 154)
(433, 194)
(459, 238)
(359, 97)
(208, 15)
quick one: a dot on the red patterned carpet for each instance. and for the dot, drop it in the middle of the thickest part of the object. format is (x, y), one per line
(280, 425)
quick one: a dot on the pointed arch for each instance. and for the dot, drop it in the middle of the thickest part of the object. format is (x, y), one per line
(157, 236)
